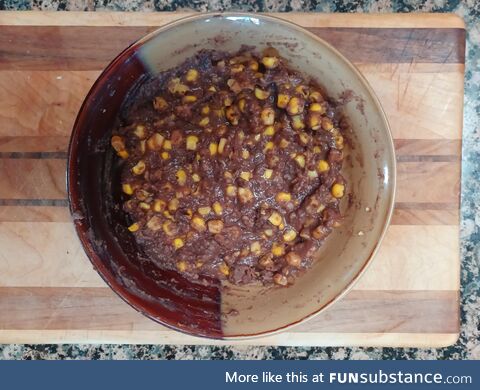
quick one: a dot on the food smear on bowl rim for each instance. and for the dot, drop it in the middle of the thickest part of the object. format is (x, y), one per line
(231, 167)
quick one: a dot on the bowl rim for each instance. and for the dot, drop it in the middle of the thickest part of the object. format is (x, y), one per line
(391, 192)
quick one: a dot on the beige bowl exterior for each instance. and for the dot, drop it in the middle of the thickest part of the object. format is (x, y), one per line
(369, 169)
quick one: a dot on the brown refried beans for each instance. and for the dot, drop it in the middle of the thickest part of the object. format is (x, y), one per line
(231, 167)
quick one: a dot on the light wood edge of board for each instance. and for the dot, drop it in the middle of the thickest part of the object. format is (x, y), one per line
(418, 340)
(379, 20)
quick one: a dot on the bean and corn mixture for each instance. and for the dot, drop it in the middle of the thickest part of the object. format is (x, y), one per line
(231, 168)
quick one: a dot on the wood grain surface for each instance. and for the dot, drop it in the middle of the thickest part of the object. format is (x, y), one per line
(48, 289)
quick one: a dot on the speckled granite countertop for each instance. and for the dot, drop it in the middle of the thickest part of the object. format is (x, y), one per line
(468, 346)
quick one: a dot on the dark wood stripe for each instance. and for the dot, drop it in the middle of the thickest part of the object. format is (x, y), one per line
(428, 147)
(34, 155)
(99, 308)
(397, 45)
(56, 210)
(428, 158)
(91, 48)
(426, 206)
(59, 144)
(34, 202)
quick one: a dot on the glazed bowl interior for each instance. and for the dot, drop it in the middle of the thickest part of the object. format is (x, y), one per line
(166, 296)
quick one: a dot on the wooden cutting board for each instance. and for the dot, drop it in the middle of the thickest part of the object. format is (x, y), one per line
(49, 292)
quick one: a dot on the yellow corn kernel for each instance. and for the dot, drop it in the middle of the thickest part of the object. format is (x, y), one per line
(182, 265)
(178, 243)
(314, 121)
(192, 141)
(268, 232)
(204, 210)
(227, 101)
(134, 227)
(159, 205)
(198, 263)
(175, 86)
(280, 279)
(212, 88)
(224, 269)
(270, 62)
(123, 154)
(294, 106)
(237, 68)
(245, 154)
(204, 121)
(165, 155)
(282, 100)
(289, 235)
(154, 223)
(155, 141)
(192, 75)
(205, 110)
(257, 137)
(339, 141)
(144, 206)
(317, 149)
(196, 177)
(268, 146)
(267, 174)
(267, 116)
(167, 144)
(232, 115)
(245, 195)
(221, 145)
(173, 204)
(168, 228)
(300, 159)
(278, 250)
(302, 90)
(189, 99)
(256, 248)
(198, 223)
(275, 219)
(117, 143)
(327, 124)
(317, 107)
(227, 175)
(139, 131)
(253, 65)
(181, 177)
(139, 168)
(269, 131)
(297, 122)
(284, 143)
(167, 215)
(213, 147)
(159, 103)
(338, 190)
(315, 96)
(127, 188)
(246, 175)
(304, 138)
(231, 190)
(215, 226)
(260, 94)
(189, 213)
(323, 166)
(241, 105)
(293, 259)
(282, 197)
(217, 208)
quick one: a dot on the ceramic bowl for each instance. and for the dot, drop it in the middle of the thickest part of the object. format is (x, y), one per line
(238, 311)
